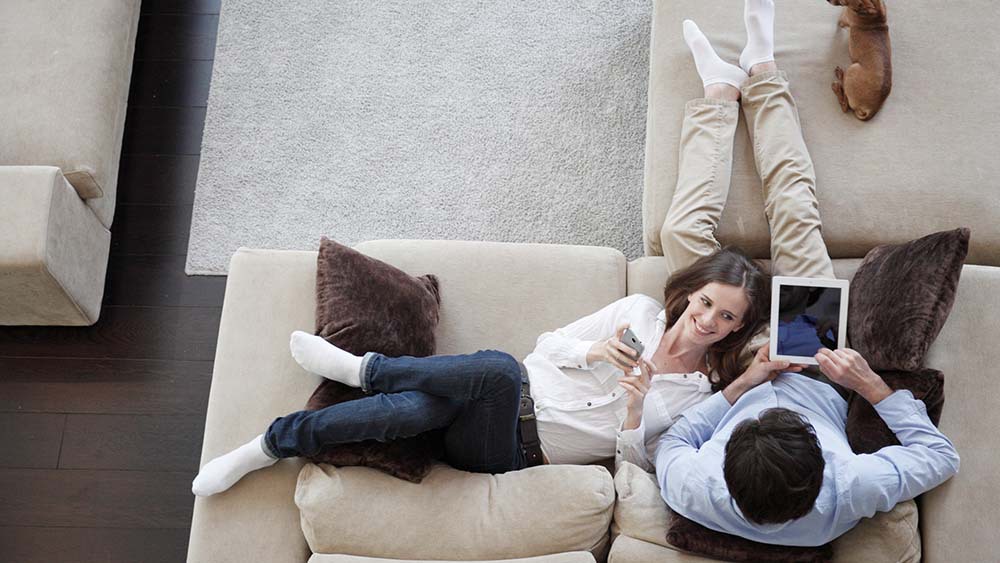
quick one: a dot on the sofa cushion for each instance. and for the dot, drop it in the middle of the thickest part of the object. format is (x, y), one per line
(572, 557)
(924, 163)
(75, 61)
(365, 305)
(901, 296)
(454, 514)
(640, 513)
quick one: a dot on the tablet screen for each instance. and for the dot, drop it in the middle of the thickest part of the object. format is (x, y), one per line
(808, 319)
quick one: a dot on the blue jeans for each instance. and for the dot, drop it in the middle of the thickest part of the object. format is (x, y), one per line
(475, 396)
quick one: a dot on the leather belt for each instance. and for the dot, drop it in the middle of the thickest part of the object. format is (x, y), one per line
(531, 446)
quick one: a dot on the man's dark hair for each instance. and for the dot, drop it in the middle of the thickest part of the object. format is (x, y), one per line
(774, 466)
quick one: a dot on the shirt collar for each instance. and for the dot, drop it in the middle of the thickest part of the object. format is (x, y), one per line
(662, 317)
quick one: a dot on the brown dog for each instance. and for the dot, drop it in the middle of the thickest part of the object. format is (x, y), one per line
(867, 82)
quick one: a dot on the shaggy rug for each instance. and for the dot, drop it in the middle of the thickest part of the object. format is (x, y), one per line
(443, 119)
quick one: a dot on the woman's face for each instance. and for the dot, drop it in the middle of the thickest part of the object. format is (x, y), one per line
(714, 311)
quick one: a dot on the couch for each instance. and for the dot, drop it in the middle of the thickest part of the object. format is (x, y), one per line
(66, 69)
(895, 178)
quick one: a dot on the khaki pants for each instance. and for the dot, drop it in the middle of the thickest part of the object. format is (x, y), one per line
(786, 173)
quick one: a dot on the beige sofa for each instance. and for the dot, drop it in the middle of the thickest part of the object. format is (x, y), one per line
(66, 69)
(502, 296)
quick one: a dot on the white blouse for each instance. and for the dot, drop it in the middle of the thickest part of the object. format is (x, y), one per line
(581, 407)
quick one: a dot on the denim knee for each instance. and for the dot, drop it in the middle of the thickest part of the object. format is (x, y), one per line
(502, 370)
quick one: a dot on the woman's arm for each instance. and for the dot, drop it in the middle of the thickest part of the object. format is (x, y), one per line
(585, 341)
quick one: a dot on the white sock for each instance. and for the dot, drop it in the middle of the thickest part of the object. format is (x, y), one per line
(224, 471)
(711, 68)
(318, 356)
(758, 15)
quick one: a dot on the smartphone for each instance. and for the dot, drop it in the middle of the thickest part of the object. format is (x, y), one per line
(630, 340)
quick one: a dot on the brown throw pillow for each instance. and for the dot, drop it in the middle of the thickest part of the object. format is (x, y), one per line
(690, 536)
(365, 305)
(901, 296)
(867, 432)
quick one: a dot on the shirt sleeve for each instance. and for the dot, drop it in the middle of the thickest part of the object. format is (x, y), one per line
(676, 451)
(924, 459)
(631, 447)
(568, 346)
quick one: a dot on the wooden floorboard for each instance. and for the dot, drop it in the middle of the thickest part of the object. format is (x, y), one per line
(132, 442)
(188, 37)
(157, 179)
(92, 545)
(151, 230)
(165, 333)
(122, 386)
(170, 83)
(96, 498)
(30, 440)
(102, 425)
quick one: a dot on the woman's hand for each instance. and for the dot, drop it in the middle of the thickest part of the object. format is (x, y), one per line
(848, 368)
(761, 370)
(614, 352)
(637, 386)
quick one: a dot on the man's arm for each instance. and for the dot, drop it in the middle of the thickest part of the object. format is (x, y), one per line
(675, 452)
(924, 459)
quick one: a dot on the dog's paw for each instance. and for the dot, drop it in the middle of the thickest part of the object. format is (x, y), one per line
(839, 73)
(838, 89)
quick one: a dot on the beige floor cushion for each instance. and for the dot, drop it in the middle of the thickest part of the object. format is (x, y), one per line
(640, 513)
(924, 163)
(454, 514)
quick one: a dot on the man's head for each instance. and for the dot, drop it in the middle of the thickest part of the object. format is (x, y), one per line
(774, 466)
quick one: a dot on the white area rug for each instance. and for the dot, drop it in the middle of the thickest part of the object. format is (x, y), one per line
(444, 119)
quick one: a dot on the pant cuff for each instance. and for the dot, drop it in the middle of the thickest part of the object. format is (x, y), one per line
(265, 445)
(365, 375)
(764, 77)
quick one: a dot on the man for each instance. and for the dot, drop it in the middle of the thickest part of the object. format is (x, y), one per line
(768, 458)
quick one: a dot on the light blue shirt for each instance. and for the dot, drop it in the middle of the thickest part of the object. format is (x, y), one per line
(689, 460)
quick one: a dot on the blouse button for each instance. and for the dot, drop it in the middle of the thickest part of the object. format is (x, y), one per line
(685, 376)
(619, 451)
(588, 403)
(612, 394)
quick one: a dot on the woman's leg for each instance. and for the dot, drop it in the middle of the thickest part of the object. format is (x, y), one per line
(381, 417)
(487, 386)
(787, 176)
(706, 156)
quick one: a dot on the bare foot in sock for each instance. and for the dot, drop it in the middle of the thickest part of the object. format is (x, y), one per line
(758, 16)
(224, 471)
(318, 356)
(711, 68)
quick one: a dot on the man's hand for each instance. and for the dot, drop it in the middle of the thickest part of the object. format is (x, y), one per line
(847, 368)
(761, 370)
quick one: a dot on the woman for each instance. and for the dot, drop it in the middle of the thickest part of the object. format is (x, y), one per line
(589, 404)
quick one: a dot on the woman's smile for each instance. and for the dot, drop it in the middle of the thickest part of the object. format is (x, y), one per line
(698, 328)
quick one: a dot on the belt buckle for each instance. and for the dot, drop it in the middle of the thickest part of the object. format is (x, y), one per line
(527, 410)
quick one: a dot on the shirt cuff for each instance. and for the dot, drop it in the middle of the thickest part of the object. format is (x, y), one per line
(899, 405)
(579, 354)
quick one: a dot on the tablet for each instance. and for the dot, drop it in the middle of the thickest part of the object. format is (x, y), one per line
(807, 314)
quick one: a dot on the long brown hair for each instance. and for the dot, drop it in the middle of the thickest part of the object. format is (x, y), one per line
(730, 266)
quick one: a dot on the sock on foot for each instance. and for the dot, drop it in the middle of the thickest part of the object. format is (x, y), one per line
(224, 471)
(711, 68)
(318, 356)
(758, 16)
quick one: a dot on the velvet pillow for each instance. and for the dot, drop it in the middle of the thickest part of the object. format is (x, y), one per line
(690, 536)
(365, 305)
(900, 297)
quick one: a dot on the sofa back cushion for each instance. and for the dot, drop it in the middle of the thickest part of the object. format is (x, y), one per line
(454, 514)
(924, 163)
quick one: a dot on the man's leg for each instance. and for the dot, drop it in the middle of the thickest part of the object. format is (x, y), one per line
(487, 386)
(787, 176)
(706, 155)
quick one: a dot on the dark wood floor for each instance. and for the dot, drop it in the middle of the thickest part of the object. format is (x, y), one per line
(101, 427)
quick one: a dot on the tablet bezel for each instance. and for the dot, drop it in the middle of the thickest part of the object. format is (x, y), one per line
(776, 283)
